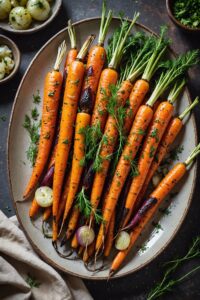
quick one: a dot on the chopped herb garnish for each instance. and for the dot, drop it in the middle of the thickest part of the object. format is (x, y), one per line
(187, 12)
(75, 82)
(154, 134)
(36, 98)
(66, 142)
(152, 151)
(51, 94)
(34, 114)
(32, 282)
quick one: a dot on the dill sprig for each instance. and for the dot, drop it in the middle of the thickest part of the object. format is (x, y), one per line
(85, 207)
(167, 283)
(92, 135)
(32, 128)
(118, 113)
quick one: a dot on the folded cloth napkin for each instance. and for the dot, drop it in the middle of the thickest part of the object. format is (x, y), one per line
(23, 275)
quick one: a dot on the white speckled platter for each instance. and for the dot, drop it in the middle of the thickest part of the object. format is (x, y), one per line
(155, 239)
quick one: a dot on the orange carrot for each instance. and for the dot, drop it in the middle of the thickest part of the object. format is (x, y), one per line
(97, 57)
(70, 102)
(109, 77)
(158, 195)
(52, 89)
(135, 137)
(160, 121)
(110, 236)
(73, 52)
(73, 221)
(47, 213)
(34, 208)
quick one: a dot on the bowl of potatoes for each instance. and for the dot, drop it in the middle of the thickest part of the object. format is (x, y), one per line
(9, 59)
(27, 16)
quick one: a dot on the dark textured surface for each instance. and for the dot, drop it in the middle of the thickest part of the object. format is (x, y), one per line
(153, 14)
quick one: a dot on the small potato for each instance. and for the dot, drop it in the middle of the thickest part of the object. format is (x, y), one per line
(16, 3)
(20, 18)
(5, 51)
(9, 64)
(5, 8)
(2, 70)
(39, 9)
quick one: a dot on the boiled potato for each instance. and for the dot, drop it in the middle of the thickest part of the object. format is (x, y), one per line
(5, 51)
(39, 9)
(2, 70)
(5, 8)
(20, 18)
(9, 64)
(16, 3)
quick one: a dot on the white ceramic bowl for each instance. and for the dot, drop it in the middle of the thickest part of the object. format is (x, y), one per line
(35, 26)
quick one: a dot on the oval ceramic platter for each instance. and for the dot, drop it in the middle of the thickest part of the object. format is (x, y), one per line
(154, 240)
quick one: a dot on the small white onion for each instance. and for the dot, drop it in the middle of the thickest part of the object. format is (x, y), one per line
(20, 18)
(85, 235)
(16, 3)
(44, 196)
(122, 241)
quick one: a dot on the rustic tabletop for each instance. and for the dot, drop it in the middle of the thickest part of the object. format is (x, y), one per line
(153, 14)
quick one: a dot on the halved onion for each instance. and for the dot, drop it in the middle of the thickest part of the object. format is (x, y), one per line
(122, 241)
(85, 235)
(44, 196)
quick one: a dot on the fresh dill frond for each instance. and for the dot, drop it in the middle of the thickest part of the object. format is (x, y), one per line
(85, 207)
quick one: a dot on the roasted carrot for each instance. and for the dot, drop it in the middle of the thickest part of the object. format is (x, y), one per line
(47, 213)
(96, 57)
(157, 196)
(82, 121)
(73, 221)
(110, 236)
(52, 89)
(73, 52)
(169, 137)
(109, 76)
(140, 124)
(74, 242)
(141, 86)
(114, 124)
(70, 103)
(135, 137)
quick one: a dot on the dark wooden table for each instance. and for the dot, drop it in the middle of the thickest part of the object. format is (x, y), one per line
(153, 14)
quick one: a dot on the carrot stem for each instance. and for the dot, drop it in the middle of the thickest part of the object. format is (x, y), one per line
(176, 68)
(160, 48)
(105, 22)
(174, 93)
(121, 41)
(61, 52)
(82, 53)
(189, 108)
(192, 155)
(72, 35)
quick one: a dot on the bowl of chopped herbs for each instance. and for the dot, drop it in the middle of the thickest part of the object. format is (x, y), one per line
(185, 14)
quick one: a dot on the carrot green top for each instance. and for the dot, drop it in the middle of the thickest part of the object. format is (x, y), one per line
(105, 22)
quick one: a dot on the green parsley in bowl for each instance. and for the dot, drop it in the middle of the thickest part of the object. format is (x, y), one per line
(185, 13)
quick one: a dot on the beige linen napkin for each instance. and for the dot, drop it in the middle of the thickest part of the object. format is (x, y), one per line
(19, 264)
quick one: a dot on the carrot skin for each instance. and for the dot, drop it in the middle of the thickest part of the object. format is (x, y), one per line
(47, 213)
(110, 236)
(82, 121)
(108, 77)
(163, 189)
(71, 56)
(73, 221)
(52, 89)
(70, 103)
(168, 138)
(140, 124)
(95, 62)
(157, 128)
(138, 93)
(107, 148)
